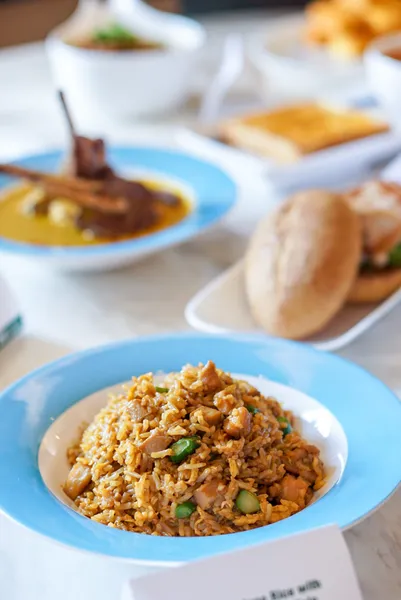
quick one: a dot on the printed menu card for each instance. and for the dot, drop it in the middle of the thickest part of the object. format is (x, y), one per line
(315, 565)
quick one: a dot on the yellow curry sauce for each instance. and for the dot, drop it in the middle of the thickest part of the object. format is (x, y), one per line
(39, 229)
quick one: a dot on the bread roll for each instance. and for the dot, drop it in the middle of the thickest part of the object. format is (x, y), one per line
(301, 263)
(375, 286)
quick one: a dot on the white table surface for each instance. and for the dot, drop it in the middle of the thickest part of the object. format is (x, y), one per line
(64, 312)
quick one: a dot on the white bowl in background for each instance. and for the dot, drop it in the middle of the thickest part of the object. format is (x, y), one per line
(384, 75)
(290, 70)
(101, 84)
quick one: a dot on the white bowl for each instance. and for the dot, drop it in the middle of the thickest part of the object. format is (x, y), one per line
(101, 84)
(289, 69)
(384, 75)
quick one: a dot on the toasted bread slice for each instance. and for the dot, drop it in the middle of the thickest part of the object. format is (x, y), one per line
(378, 204)
(286, 134)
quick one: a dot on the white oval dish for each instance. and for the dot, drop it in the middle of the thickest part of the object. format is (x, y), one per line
(221, 307)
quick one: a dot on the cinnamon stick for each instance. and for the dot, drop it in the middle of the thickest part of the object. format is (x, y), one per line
(85, 193)
(74, 183)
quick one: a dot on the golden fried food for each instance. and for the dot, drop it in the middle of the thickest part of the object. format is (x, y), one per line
(384, 17)
(351, 42)
(347, 27)
(321, 18)
(355, 6)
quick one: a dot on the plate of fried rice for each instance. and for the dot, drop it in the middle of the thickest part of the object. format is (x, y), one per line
(168, 449)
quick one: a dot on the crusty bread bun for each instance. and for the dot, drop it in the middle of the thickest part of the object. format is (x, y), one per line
(375, 286)
(301, 263)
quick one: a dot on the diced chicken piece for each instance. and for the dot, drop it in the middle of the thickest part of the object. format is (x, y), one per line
(299, 462)
(224, 402)
(77, 480)
(211, 415)
(205, 414)
(294, 489)
(238, 423)
(137, 411)
(156, 442)
(210, 378)
(207, 494)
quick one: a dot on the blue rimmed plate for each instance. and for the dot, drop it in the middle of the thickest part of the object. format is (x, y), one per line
(211, 192)
(349, 403)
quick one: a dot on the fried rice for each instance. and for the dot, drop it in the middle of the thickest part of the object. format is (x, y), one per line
(200, 454)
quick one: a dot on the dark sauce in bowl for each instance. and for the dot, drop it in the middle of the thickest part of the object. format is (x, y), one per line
(115, 38)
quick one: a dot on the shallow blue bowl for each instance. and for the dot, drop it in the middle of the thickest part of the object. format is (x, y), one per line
(213, 191)
(368, 411)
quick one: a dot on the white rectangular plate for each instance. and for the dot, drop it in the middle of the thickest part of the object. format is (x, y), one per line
(221, 307)
(317, 169)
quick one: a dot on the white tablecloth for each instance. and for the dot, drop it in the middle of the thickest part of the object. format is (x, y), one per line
(63, 312)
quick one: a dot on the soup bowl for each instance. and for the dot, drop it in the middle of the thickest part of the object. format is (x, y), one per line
(121, 84)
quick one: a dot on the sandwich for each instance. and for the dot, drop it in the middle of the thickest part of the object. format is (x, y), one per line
(302, 262)
(287, 134)
(378, 205)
